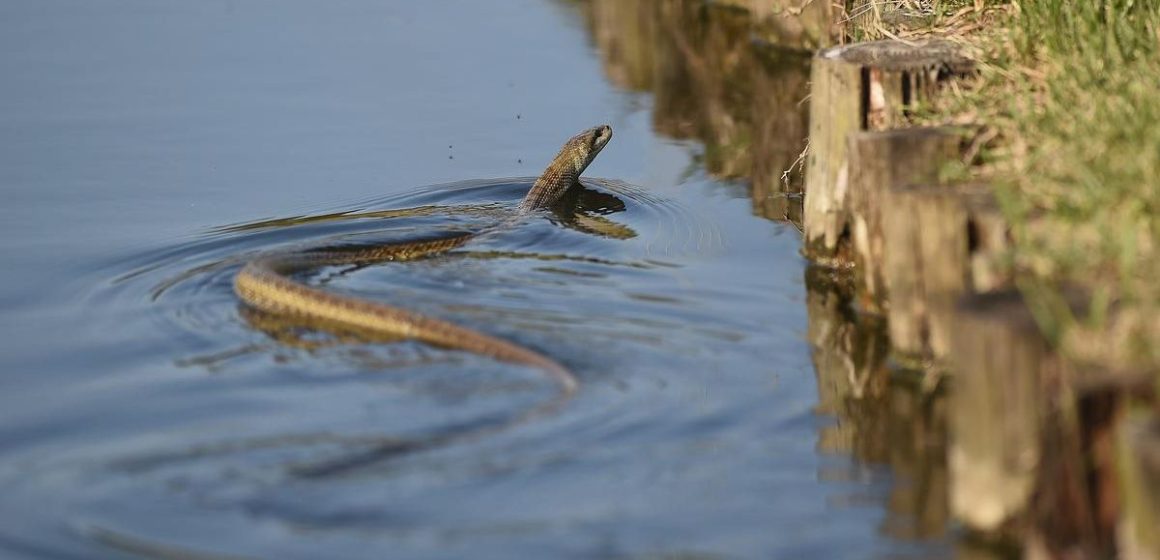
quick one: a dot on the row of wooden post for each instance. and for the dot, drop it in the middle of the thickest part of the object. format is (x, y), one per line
(1061, 459)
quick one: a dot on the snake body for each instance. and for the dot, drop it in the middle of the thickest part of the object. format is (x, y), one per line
(266, 284)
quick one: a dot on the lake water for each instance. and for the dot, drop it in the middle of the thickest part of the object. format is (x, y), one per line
(731, 404)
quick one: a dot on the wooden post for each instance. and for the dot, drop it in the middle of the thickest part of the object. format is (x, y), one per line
(879, 161)
(1139, 474)
(863, 86)
(934, 243)
(836, 110)
(1004, 373)
(1066, 518)
(1080, 495)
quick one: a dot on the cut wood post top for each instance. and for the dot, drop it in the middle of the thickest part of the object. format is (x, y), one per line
(891, 54)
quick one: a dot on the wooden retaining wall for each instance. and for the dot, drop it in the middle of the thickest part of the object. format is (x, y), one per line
(863, 86)
(1056, 458)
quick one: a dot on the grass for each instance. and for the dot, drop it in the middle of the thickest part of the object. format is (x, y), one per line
(1069, 99)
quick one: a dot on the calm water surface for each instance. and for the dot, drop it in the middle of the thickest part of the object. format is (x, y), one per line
(147, 148)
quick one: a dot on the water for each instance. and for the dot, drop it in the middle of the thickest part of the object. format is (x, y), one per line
(149, 148)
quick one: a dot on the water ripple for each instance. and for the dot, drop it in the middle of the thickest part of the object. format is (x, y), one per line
(239, 401)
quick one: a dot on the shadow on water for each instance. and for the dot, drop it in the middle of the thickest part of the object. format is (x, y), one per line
(738, 83)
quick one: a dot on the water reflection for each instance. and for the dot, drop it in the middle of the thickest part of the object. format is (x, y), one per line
(712, 81)
(739, 86)
(883, 416)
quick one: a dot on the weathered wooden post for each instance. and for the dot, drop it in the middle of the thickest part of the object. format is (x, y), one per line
(836, 110)
(1003, 369)
(1046, 450)
(863, 86)
(879, 161)
(1084, 495)
(1139, 474)
(932, 244)
(1029, 432)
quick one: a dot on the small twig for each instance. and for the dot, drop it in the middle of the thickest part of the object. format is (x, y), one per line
(797, 163)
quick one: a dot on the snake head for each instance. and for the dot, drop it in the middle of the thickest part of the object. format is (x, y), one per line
(584, 147)
(565, 169)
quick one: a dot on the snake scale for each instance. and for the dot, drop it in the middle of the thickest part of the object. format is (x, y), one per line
(266, 283)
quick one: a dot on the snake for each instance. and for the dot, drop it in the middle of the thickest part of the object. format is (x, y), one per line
(268, 284)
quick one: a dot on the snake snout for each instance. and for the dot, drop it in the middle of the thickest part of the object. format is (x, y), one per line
(600, 136)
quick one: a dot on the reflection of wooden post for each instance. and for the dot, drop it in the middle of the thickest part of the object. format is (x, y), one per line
(1003, 372)
(849, 355)
(881, 418)
(780, 124)
(917, 440)
(879, 161)
(863, 86)
(933, 237)
(1139, 469)
(793, 22)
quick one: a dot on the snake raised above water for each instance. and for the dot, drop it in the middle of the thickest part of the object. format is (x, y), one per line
(266, 284)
